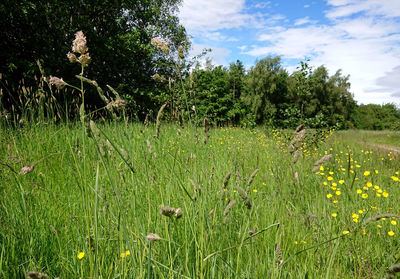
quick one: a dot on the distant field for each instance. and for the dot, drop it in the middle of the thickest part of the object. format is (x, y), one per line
(390, 138)
(86, 207)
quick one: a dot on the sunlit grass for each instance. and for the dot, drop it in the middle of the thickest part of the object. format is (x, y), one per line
(81, 214)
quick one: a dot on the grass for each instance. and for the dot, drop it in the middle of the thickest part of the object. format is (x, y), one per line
(77, 200)
(389, 138)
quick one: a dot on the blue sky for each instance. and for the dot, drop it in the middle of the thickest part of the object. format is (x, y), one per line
(360, 37)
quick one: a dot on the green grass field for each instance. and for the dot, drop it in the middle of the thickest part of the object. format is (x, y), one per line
(88, 207)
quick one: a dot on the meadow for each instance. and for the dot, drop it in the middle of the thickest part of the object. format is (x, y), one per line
(118, 201)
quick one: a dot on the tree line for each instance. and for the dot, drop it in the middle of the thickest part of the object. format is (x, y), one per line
(124, 56)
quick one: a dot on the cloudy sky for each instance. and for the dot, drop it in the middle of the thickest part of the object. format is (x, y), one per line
(361, 37)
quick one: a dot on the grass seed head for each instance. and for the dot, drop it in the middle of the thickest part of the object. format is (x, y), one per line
(167, 211)
(228, 209)
(321, 161)
(79, 44)
(26, 169)
(36, 275)
(153, 237)
(160, 44)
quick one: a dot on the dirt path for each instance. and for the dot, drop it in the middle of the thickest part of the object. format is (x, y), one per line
(384, 147)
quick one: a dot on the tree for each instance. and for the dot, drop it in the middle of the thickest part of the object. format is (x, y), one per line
(118, 34)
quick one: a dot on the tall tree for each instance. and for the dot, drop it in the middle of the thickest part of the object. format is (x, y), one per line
(118, 34)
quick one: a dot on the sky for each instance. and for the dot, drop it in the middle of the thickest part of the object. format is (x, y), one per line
(360, 37)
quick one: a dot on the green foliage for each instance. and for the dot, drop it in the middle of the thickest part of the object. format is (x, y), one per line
(118, 34)
(377, 117)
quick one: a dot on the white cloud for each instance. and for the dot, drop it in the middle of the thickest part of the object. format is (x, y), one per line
(211, 15)
(218, 55)
(217, 36)
(365, 47)
(342, 8)
(303, 20)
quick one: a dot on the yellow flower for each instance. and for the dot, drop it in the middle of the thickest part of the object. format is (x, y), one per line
(369, 184)
(379, 226)
(376, 171)
(393, 222)
(364, 196)
(376, 187)
(321, 168)
(359, 191)
(329, 196)
(395, 178)
(325, 183)
(81, 255)
(391, 233)
(341, 181)
(335, 201)
(334, 184)
(345, 232)
(330, 178)
(355, 220)
(366, 173)
(334, 215)
(295, 242)
(338, 193)
(331, 172)
(355, 216)
(385, 194)
(363, 232)
(122, 255)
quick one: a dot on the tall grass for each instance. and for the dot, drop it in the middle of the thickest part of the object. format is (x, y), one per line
(78, 199)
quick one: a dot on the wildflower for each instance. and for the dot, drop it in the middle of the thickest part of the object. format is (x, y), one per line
(355, 216)
(379, 226)
(81, 255)
(79, 44)
(127, 253)
(338, 193)
(334, 184)
(58, 82)
(376, 187)
(390, 233)
(330, 178)
(369, 184)
(334, 215)
(364, 196)
(331, 172)
(385, 194)
(393, 222)
(376, 171)
(363, 232)
(295, 242)
(335, 201)
(321, 168)
(341, 181)
(366, 173)
(395, 178)
(329, 196)
(122, 255)
(255, 190)
(359, 191)
(345, 232)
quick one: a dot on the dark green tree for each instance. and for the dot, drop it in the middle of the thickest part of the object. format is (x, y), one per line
(118, 34)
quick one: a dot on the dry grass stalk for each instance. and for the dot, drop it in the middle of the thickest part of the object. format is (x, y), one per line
(167, 211)
(206, 130)
(179, 132)
(158, 121)
(36, 275)
(296, 156)
(228, 209)
(195, 188)
(380, 216)
(153, 237)
(146, 120)
(253, 175)
(278, 255)
(180, 119)
(243, 195)
(226, 180)
(96, 133)
(26, 169)
(297, 141)
(321, 161)
(197, 138)
(392, 271)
